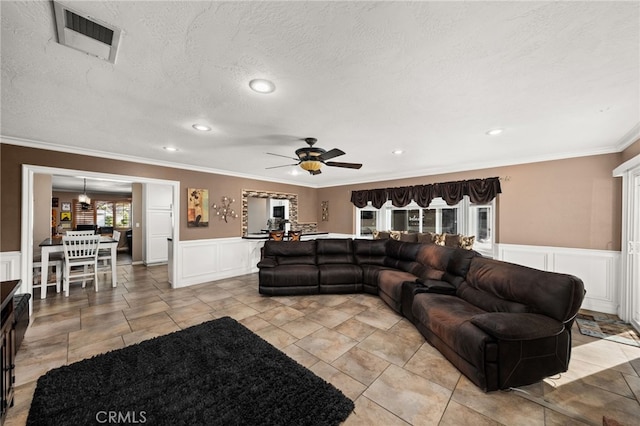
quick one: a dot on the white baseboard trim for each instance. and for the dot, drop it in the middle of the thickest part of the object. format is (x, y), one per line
(598, 269)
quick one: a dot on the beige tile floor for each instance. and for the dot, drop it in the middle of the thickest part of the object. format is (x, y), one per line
(356, 342)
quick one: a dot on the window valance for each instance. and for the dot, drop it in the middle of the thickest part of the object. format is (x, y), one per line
(480, 191)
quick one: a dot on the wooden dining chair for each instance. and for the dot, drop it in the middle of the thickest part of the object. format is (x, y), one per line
(276, 235)
(56, 264)
(80, 260)
(295, 235)
(104, 255)
(76, 233)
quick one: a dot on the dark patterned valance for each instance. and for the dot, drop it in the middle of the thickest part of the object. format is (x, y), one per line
(480, 191)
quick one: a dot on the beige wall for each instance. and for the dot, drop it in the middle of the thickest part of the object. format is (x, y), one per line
(564, 203)
(631, 151)
(12, 157)
(42, 209)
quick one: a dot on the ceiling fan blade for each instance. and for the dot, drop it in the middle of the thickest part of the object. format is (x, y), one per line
(284, 165)
(285, 156)
(345, 165)
(335, 152)
(315, 172)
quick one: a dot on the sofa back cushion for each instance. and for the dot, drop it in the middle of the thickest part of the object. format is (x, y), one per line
(335, 250)
(291, 252)
(520, 288)
(434, 259)
(370, 252)
(401, 255)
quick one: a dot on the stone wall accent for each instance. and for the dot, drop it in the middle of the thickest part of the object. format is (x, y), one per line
(293, 210)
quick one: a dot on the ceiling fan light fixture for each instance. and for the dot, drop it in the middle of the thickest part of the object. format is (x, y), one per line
(262, 86)
(310, 165)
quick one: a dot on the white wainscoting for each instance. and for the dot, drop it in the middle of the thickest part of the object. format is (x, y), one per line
(200, 261)
(10, 265)
(598, 269)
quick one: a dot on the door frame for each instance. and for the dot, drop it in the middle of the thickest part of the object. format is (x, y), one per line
(27, 221)
(629, 296)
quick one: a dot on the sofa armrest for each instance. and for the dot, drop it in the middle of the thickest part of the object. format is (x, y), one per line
(517, 326)
(434, 286)
(267, 263)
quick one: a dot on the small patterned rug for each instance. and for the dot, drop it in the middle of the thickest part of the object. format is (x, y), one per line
(606, 326)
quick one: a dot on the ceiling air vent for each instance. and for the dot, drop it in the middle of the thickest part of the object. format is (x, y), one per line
(81, 32)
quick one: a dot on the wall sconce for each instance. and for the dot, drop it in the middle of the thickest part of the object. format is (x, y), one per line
(224, 210)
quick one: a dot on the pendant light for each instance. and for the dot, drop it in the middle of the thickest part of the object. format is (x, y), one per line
(84, 198)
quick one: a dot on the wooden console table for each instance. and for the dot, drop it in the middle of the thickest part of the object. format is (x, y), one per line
(8, 335)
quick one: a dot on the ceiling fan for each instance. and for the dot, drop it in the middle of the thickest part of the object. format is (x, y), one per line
(311, 159)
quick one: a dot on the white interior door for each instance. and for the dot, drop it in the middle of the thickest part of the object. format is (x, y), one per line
(634, 252)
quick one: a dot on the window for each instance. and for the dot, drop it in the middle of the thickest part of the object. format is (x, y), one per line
(83, 214)
(464, 218)
(123, 214)
(104, 213)
(368, 222)
(116, 214)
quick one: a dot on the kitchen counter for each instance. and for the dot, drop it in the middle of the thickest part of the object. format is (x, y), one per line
(266, 236)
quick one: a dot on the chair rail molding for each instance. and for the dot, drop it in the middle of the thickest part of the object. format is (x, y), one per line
(598, 269)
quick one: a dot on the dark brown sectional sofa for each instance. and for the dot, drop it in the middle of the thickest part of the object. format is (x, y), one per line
(502, 325)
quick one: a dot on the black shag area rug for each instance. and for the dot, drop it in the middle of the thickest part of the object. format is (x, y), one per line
(216, 373)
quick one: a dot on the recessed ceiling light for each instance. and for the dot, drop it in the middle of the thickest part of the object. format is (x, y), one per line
(294, 172)
(170, 149)
(494, 132)
(262, 86)
(397, 152)
(201, 127)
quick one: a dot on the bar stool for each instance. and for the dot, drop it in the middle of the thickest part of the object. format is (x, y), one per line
(55, 261)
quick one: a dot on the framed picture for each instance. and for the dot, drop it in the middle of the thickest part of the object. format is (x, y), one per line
(66, 207)
(54, 201)
(197, 208)
(65, 216)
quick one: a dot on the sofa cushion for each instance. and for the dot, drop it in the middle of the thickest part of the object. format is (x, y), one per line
(340, 274)
(370, 252)
(285, 253)
(370, 273)
(435, 259)
(449, 318)
(489, 302)
(506, 326)
(556, 295)
(289, 276)
(390, 287)
(427, 237)
(334, 250)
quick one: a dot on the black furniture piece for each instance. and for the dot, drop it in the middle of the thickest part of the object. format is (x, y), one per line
(502, 325)
(8, 339)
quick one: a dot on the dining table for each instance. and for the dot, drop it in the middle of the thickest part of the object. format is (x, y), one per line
(54, 245)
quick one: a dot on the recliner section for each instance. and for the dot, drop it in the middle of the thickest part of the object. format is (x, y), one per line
(502, 325)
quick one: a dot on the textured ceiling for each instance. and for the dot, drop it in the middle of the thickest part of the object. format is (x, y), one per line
(430, 78)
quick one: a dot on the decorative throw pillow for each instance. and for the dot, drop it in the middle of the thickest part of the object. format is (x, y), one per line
(410, 237)
(452, 240)
(381, 235)
(395, 235)
(438, 239)
(466, 242)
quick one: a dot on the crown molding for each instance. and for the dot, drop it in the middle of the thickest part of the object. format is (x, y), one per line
(624, 142)
(629, 138)
(11, 140)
